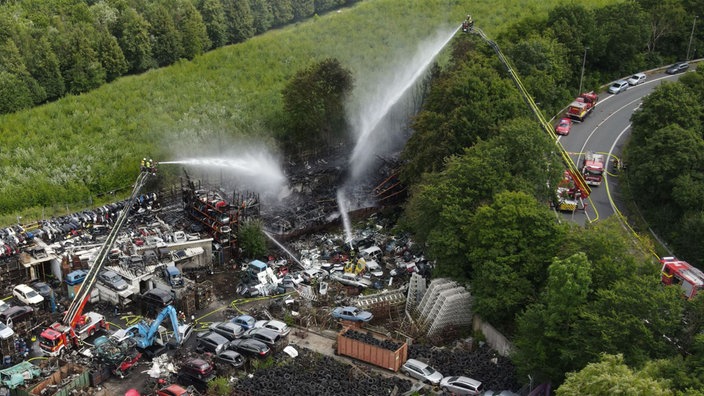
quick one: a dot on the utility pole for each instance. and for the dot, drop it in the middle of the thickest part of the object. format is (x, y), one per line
(584, 62)
(691, 35)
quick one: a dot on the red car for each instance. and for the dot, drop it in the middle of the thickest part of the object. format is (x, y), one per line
(563, 127)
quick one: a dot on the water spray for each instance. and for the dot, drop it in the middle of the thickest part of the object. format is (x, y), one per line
(283, 248)
(343, 204)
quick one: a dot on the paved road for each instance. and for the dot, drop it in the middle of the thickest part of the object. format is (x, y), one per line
(606, 131)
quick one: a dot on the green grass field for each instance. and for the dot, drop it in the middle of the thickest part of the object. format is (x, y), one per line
(63, 154)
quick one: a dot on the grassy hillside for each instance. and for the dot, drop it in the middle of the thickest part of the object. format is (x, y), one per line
(74, 150)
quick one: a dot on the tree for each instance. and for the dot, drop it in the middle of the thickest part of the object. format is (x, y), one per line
(611, 376)
(43, 64)
(14, 94)
(251, 239)
(314, 102)
(282, 12)
(263, 18)
(643, 326)
(192, 30)
(670, 103)
(80, 64)
(664, 17)
(240, 22)
(302, 9)
(133, 36)
(509, 245)
(111, 57)
(545, 336)
(165, 37)
(213, 15)
(12, 62)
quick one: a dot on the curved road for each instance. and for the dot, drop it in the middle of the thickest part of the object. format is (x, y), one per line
(606, 131)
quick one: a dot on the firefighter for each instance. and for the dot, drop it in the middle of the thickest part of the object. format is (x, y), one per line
(143, 164)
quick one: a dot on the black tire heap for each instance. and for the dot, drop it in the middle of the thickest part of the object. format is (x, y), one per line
(370, 339)
(314, 374)
(477, 364)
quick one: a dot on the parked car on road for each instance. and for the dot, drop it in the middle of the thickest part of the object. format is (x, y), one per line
(230, 358)
(678, 67)
(421, 371)
(246, 321)
(211, 342)
(112, 280)
(353, 314)
(275, 325)
(250, 347)
(228, 330)
(563, 127)
(636, 79)
(459, 385)
(27, 295)
(618, 87)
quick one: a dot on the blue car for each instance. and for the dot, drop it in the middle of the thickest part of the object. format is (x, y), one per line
(245, 321)
(352, 314)
(76, 277)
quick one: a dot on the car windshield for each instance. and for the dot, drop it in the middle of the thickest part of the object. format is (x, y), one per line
(31, 294)
(429, 370)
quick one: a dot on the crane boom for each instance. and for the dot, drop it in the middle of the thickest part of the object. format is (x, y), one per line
(83, 295)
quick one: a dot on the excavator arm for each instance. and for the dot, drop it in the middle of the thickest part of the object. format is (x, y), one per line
(173, 317)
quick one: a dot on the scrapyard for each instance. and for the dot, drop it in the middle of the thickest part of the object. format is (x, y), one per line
(150, 295)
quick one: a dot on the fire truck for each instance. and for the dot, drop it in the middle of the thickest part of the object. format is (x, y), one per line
(593, 168)
(677, 272)
(75, 326)
(582, 106)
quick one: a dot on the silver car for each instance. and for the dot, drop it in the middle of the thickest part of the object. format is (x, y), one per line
(618, 87)
(459, 385)
(421, 371)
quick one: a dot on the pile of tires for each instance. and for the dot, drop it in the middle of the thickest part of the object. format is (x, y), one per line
(482, 364)
(314, 374)
(371, 340)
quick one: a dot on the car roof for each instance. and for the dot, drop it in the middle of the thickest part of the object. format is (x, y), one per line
(23, 287)
(158, 292)
(214, 336)
(466, 380)
(416, 362)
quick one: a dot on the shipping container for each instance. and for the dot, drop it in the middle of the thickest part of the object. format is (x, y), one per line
(373, 354)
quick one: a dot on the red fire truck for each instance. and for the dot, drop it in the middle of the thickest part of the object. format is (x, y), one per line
(677, 272)
(593, 168)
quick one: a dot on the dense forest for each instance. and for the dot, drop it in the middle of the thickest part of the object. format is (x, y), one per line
(583, 305)
(52, 48)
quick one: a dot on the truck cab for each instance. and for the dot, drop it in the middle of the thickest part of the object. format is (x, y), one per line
(173, 276)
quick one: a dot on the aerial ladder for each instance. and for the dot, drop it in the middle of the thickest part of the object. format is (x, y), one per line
(574, 173)
(75, 311)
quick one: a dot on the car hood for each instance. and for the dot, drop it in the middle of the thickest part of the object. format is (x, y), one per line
(435, 378)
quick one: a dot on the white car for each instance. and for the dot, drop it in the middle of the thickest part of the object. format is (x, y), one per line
(27, 295)
(276, 325)
(637, 79)
(5, 332)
